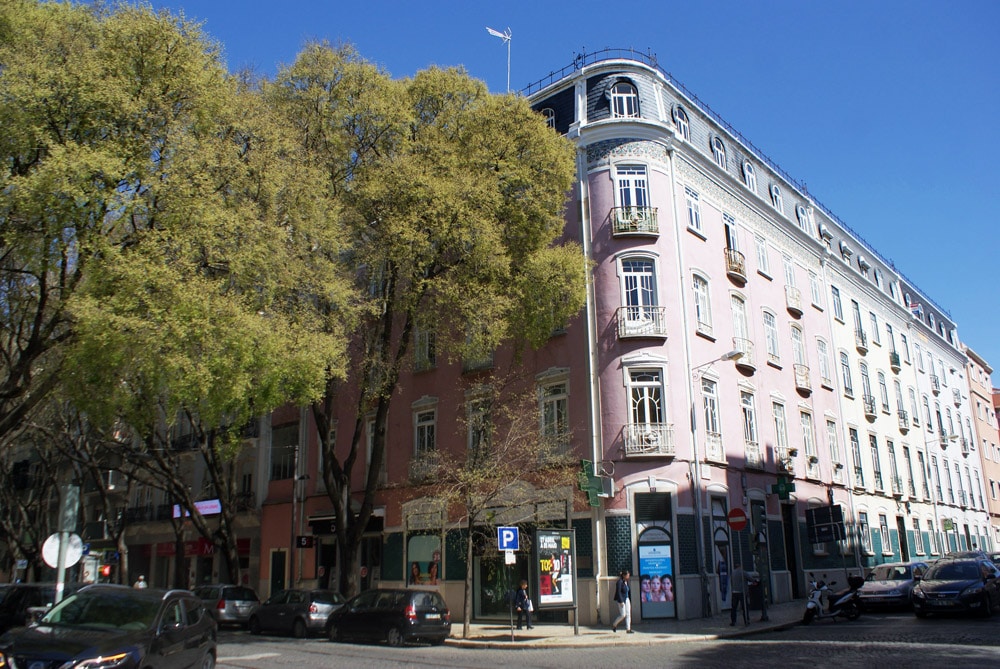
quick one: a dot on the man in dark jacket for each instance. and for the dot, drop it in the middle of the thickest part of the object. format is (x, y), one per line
(523, 605)
(623, 598)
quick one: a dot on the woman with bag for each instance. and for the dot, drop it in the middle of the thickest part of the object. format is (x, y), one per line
(523, 605)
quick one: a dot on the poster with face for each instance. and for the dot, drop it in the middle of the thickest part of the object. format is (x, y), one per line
(555, 567)
(424, 557)
(656, 581)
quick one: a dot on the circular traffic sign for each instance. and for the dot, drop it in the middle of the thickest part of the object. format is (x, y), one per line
(74, 550)
(737, 520)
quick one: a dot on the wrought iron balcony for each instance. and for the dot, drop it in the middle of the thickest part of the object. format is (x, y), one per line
(642, 322)
(753, 454)
(894, 362)
(736, 266)
(634, 221)
(897, 487)
(861, 341)
(869, 402)
(904, 421)
(935, 384)
(956, 395)
(649, 440)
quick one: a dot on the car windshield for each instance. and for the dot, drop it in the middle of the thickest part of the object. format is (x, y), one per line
(240, 594)
(954, 571)
(104, 609)
(890, 573)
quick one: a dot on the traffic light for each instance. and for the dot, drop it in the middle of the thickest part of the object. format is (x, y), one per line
(105, 570)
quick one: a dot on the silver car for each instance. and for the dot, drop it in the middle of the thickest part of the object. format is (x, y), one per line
(890, 585)
(296, 612)
(229, 604)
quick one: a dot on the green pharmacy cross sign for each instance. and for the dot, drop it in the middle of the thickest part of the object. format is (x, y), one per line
(783, 487)
(589, 482)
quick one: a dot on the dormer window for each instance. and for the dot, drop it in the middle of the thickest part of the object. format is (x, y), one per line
(804, 216)
(719, 152)
(550, 117)
(846, 252)
(682, 123)
(624, 100)
(776, 200)
(749, 176)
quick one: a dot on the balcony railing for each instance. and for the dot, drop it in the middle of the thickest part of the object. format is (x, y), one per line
(634, 221)
(746, 361)
(897, 486)
(802, 383)
(963, 498)
(793, 300)
(838, 473)
(642, 322)
(869, 402)
(878, 481)
(736, 266)
(861, 341)
(894, 362)
(904, 421)
(859, 477)
(754, 455)
(713, 447)
(935, 384)
(649, 440)
(956, 395)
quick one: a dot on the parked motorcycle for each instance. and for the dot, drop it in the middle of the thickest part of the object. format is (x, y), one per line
(845, 603)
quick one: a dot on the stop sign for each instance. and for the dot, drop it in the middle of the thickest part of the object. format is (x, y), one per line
(737, 520)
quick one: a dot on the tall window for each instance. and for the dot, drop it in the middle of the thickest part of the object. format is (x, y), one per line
(682, 123)
(554, 399)
(693, 208)
(479, 428)
(876, 461)
(639, 279)
(719, 152)
(856, 311)
(633, 190)
(816, 288)
(922, 465)
(624, 100)
(866, 385)
(741, 335)
(749, 418)
(789, 268)
(845, 372)
(710, 395)
(947, 478)
(370, 429)
(859, 471)
(838, 309)
(936, 475)
(910, 482)
(702, 304)
(932, 542)
(284, 441)
(808, 434)
(898, 389)
(780, 429)
(865, 531)
(776, 199)
(646, 397)
(876, 335)
(833, 440)
(424, 349)
(771, 337)
(883, 526)
(823, 354)
(425, 426)
(749, 176)
(763, 263)
(883, 391)
(904, 344)
(798, 349)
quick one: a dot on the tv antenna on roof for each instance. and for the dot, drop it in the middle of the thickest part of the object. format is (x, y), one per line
(505, 36)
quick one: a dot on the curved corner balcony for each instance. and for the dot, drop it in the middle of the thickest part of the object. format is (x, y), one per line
(639, 322)
(631, 221)
(736, 267)
(649, 440)
(745, 363)
(793, 301)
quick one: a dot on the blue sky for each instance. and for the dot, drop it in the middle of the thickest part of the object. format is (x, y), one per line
(888, 110)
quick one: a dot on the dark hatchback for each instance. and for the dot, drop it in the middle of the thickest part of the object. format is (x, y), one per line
(393, 616)
(958, 585)
(21, 601)
(296, 612)
(105, 626)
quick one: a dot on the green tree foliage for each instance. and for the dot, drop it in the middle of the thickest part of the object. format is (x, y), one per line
(452, 205)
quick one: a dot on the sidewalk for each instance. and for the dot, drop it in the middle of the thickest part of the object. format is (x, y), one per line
(493, 635)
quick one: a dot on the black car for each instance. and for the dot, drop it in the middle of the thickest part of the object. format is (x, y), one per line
(394, 616)
(295, 612)
(125, 627)
(958, 585)
(21, 600)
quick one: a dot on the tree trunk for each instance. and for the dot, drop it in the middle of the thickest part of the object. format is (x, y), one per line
(467, 603)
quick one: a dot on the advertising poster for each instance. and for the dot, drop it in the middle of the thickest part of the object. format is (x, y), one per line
(556, 553)
(424, 554)
(656, 581)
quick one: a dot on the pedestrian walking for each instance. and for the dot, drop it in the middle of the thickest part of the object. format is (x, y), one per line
(141, 583)
(739, 580)
(623, 598)
(523, 605)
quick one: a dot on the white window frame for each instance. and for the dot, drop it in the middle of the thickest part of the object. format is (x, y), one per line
(702, 303)
(808, 433)
(763, 262)
(749, 176)
(553, 400)
(838, 307)
(823, 355)
(780, 429)
(624, 100)
(632, 186)
(693, 203)
(424, 430)
(777, 201)
(816, 290)
(771, 337)
(798, 345)
(719, 152)
(833, 441)
(683, 123)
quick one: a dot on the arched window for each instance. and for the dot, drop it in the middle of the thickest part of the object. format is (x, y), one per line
(624, 100)
(749, 176)
(550, 117)
(719, 152)
(682, 122)
(776, 200)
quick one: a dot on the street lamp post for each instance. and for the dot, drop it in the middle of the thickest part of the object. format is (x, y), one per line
(706, 601)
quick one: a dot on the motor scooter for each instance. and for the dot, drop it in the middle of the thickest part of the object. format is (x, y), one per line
(845, 603)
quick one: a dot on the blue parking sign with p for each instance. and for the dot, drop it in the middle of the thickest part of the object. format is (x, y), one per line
(508, 539)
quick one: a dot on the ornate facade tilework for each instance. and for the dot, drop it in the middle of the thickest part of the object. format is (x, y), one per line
(602, 153)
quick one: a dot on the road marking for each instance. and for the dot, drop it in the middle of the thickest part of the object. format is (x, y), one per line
(236, 658)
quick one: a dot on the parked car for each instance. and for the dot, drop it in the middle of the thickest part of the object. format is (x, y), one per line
(890, 585)
(393, 616)
(229, 604)
(117, 626)
(25, 602)
(296, 612)
(970, 584)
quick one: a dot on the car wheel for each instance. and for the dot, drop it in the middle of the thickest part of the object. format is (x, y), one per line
(987, 606)
(299, 629)
(808, 616)
(851, 611)
(333, 633)
(394, 637)
(254, 625)
(208, 662)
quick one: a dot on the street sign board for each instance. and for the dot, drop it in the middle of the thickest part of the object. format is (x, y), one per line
(737, 520)
(508, 539)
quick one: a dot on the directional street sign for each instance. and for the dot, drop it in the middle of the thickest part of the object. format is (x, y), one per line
(508, 538)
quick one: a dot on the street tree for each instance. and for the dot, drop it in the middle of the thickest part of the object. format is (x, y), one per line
(452, 202)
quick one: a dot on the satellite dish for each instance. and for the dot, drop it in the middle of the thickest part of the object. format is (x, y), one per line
(74, 550)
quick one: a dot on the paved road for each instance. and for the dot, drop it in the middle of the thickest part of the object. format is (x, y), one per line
(885, 641)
